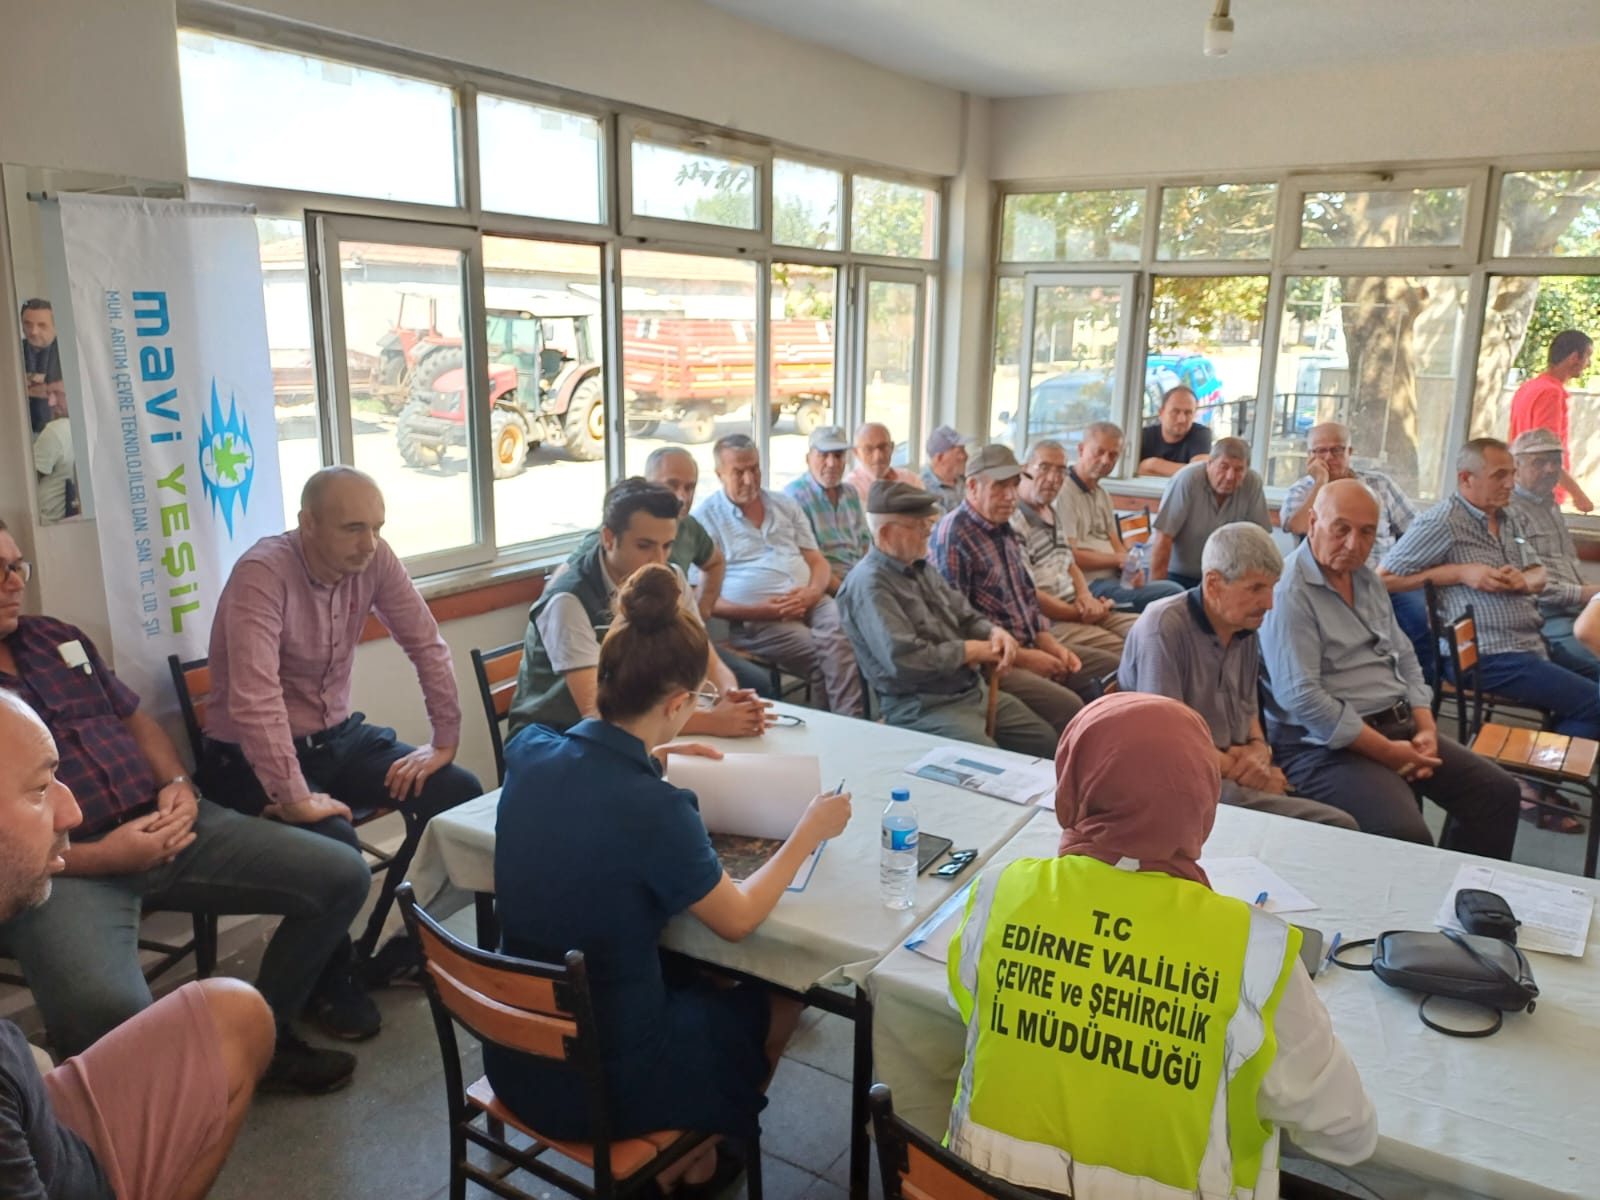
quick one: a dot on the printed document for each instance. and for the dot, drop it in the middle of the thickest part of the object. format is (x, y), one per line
(1555, 916)
(993, 773)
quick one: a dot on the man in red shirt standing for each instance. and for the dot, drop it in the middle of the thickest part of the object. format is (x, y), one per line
(1541, 403)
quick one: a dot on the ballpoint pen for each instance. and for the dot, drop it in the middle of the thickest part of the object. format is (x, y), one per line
(1261, 900)
(1333, 948)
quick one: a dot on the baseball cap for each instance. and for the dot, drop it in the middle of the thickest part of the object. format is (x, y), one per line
(902, 499)
(946, 437)
(1537, 441)
(994, 461)
(828, 438)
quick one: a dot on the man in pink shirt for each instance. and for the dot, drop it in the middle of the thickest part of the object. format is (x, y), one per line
(1541, 403)
(874, 449)
(281, 739)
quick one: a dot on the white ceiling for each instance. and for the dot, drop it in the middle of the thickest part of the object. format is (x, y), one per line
(1045, 47)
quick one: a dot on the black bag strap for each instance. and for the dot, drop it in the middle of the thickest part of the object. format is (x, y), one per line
(1499, 1020)
(1499, 1017)
(1343, 946)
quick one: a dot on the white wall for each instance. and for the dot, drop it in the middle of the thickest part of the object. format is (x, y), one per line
(963, 356)
(1461, 108)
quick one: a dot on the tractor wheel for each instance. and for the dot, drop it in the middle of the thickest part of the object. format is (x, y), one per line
(391, 368)
(417, 450)
(698, 424)
(508, 437)
(585, 422)
(430, 367)
(808, 416)
(642, 428)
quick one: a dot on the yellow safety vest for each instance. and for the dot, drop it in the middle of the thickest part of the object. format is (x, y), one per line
(1119, 1025)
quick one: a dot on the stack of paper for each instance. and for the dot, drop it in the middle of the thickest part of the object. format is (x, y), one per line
(1555, 916)
(751, 796)
(1247, 878)
(971, 768)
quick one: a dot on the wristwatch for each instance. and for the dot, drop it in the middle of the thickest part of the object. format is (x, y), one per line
(177, 779)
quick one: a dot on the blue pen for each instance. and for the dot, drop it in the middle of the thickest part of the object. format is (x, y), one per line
(1261, 899)
(1333, 948)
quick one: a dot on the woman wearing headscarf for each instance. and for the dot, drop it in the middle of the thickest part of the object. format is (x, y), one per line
(1130, 1033)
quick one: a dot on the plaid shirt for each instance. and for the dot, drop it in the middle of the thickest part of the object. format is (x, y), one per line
(1395, 513)
(985, 563)
(1453, 531)
(86, 712)
(841, 528)
(1552, 542)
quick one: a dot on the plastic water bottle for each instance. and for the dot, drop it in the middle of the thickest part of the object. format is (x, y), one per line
(1138, 559)
(897, 857)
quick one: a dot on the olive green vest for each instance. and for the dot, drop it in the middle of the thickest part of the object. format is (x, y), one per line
(542, 696)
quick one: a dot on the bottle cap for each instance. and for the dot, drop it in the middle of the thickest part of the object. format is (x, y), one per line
(900, 794)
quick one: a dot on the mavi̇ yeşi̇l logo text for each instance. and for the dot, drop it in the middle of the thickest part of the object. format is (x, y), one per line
(227, 458)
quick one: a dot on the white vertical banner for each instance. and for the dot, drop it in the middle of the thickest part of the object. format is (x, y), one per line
(177, 398)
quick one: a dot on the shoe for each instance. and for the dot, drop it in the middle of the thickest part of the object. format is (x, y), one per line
(726, 1181)
(306, 1069)
(341, 1008)
(398, 963)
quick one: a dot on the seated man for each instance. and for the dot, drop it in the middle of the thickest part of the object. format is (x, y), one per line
(1199, 500)
(775, 593)
(1538, 458)
(832, 506)
(1083, 622)
(947, 465)
(918, 640)
(693, 547)
(1174, 440)
(874, 449)
(1091, 524)
(1474, 550)
(150, 1110)
(1200, 648)
(150, 838)
(1327, 459)
(979, 555)
(557, 684)
(281, 739)
(1348, 713)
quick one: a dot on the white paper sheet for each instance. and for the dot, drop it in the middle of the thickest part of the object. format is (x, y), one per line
(931, 939)
(1555, 917)
(1246, 878)
(969, 767)
(752, 795)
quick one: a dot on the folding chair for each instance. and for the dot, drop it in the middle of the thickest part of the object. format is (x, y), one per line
(1135, 526)
(545, 1010)
(915, 1167)
(192, 682)
(496, 671)
(1458, 649)
(1554, 760)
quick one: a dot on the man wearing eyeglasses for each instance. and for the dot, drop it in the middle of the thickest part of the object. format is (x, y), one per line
(557, 683)
(1328, 459)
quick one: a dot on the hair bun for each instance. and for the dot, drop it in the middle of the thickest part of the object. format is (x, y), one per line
(649, 598)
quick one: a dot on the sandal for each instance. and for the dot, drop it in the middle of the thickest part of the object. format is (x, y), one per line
(1564, 818)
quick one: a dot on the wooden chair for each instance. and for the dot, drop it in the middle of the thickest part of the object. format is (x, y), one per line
(915, 1167)
(1135, 526)
(192, 682)
(1458, 651)
(544, 1010)
(496, 671)
(1553, 759)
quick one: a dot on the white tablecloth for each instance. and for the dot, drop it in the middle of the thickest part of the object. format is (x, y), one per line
(1513, 1115)
(832, 933)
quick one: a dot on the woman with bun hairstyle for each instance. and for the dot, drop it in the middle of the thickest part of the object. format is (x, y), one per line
(596, 852)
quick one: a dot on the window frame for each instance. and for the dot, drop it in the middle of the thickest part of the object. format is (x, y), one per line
(685, 138)
(1411, 260)
(1529, 264)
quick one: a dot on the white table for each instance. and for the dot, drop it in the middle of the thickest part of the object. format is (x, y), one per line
(829, 936)
(1511, 1116)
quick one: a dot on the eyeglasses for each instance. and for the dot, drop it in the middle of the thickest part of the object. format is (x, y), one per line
(705, 699)
(1046, 472)
(1328, 451)
(21, 568)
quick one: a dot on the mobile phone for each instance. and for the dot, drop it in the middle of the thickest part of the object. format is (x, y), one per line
(1310, 949)
(952, 868)
(929, 847)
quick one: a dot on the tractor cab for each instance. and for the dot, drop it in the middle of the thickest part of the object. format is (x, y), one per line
(516, 340)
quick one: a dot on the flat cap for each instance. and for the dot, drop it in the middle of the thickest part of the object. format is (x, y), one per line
(994, 461)
(946, 437)
(902, 499)
(1537, 441)
(828, 438)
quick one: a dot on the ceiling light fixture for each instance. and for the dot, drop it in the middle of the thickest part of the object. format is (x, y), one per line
(1219, 32)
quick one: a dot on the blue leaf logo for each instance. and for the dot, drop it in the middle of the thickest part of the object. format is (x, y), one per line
(227, 458)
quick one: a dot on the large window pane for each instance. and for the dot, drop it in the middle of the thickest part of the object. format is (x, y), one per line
(1006, 381)
(1549, 213)
(806, 202)
(893, 218)
(294, 372)
(402, 322)
(1379, 219)
(1205, 333)
(1379, 354)
(256, 115)
(803, 346)
(688, 352)
(1521, 316)
(685, 185)
(1228, 221)
(893, 346)
(1076, 328)
(1072, 226)
(540, 162)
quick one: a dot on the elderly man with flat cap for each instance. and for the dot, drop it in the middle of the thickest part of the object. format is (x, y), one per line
(1538, 457)
(918, 641)
(831, 505)
(947, 466)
